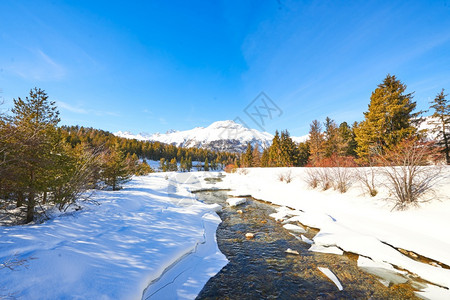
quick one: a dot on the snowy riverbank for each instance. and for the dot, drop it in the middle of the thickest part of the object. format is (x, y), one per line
(116, 249)
(153, 239)
(358, 223)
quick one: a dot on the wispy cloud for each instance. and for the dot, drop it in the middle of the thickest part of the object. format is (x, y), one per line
(163, 121)
(38, 66)
(84, 111)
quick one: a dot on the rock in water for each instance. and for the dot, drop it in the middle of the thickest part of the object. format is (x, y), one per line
(249, 235)
(290, 251)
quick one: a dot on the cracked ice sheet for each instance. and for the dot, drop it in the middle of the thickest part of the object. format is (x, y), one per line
(114, 250)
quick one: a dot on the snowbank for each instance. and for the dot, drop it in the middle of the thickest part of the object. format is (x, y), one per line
(359, 223)
(143, 234)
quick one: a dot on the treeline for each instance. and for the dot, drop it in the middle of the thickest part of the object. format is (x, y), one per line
(143, 149)
(42, 164)
(389, 123)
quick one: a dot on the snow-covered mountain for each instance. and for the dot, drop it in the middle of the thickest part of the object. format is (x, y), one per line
(220, 135)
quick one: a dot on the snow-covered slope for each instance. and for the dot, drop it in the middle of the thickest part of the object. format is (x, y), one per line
(220, 135)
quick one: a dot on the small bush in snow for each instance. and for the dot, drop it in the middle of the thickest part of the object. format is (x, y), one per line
(325, 179)
(409, 178)
(367, 179)
(312, 177)
(242, 171)
(286, 177)
(342, 178)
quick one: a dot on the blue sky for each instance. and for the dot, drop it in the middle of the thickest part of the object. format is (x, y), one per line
(158, 65)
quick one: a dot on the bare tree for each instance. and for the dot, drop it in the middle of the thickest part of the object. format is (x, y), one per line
(366, 176)
(410, 178)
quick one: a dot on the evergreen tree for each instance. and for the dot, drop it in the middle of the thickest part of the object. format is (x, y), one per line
(315, 142)
(189, 164)
(256, 157)
(331, 142)
(388, 120)
(173, 165)
(275, 151)
(247, 157)
(162, 164)
(347, 144)
(206, 166)
(144, 168)
(265, 158)
(289, 152)
(441, 120)
(303, 154)
(114, 168)
(34, 120)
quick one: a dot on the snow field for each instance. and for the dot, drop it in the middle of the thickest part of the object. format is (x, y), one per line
(358, 223)
(116, 249)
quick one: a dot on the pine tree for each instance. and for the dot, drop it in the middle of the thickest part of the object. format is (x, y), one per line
(256, 157)
(347, 144)
(189, 164)
(331, 138)
(114, 169)
(289, 152)
(265, 158)
(388, 120)
(206, 166)
(275, 151)
(247, 157)
(303, 154)
(315, 142)
(441, 121)
(34, 120)
(173, 165)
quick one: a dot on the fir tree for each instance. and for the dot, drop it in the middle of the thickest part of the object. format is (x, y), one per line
(206, 166)
(265, 158)
(289, 151)
(315, 142)
(256, 157)
(275, 151)
(303, 154)
(388, 120)
(331, 143)
(115, 170)
(247, 157)
(441, 121)
(34, 120)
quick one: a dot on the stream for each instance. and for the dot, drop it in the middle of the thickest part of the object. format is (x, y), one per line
(259, 268)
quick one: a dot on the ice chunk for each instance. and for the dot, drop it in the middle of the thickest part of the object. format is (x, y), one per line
(332, 277)
(306, 240)
(236, 201)
(294, 228)
(323, 249)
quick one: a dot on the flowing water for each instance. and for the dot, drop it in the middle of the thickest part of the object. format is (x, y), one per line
(259, 268)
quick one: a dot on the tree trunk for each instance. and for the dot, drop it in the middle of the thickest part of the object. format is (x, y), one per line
(20, 198)
(44, 199)
(31, 200)
(30, 207)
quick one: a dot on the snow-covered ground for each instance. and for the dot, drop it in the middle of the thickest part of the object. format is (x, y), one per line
(358, 223)
(149, 232)
(153, 240)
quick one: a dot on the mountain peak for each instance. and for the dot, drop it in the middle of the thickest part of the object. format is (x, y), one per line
(221, 135)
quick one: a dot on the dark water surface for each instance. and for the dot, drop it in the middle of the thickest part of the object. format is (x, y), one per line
(259, 268)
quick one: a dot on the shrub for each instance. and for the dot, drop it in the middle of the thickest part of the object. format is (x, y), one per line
(409, 178)
(312, 177)
(230, 168)
(286, 177)
(242, 171)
